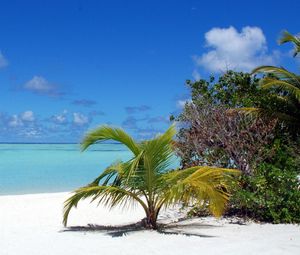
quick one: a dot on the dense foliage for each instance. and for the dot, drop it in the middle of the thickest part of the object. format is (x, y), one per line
(267, 97)
(212, 126)
(284, 86)
(272, 193)
(233, 89)
(217, 128)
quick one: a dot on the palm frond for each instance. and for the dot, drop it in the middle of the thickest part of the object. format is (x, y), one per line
(105, 133)
(287, 81)
(158, 155)
(110, 174)
(287, 37)
(198, 184)
(108, 195)
(159, 151)
(279, 72)
(268, 83)
(265, 113)
(134, 163)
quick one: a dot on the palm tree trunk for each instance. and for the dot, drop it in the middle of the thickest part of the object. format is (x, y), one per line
(151, 219)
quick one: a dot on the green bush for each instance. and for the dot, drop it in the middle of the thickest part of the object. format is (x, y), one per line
(272, 192)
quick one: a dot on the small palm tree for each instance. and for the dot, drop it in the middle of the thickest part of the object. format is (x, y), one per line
(147, 180)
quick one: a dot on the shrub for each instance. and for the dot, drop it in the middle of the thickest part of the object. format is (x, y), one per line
(215, 136)
(272, 193)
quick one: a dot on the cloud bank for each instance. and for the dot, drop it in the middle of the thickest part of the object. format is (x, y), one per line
(231, 49)
(27, 126)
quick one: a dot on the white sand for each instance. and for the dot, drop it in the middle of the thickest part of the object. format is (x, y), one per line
(31, 224)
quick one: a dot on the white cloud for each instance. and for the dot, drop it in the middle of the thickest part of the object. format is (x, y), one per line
(3, 61)
(27, 116)
(31, 133)
(39, 84)
(15, 121)
(19, 120)
(235, 50)
(60, 118)
(80, 119)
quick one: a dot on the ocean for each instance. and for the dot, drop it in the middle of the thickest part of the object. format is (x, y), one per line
(39, 168)
(43, 168)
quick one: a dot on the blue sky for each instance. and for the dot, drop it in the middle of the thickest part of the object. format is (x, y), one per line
(68, 66)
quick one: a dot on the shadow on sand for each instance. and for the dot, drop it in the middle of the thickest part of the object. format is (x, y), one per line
(178, 228)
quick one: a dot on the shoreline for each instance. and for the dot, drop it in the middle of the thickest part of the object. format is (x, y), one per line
(36, 193)
(32, 224)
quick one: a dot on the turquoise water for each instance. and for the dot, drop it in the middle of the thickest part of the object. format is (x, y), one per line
(35, 168)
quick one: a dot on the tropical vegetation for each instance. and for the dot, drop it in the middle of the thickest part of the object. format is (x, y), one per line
(239, 120)
(235, 121)
(288, 37)
(147, 179)
(283, 85)
(271, 194)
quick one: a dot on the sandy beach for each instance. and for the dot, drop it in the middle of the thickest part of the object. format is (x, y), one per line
(31, 224)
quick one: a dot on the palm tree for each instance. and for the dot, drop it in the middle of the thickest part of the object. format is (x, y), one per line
(281, 79)
(284, 87)
(287, 37)
(147, 180)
